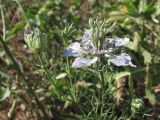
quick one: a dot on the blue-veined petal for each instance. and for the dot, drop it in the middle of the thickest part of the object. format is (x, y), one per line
(83, 62)
(87, 35)
(121, 41)
(121, 60)
(86, 42)
(113, 43)
(74, 49)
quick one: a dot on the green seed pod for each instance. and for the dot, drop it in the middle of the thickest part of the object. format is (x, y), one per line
(136, 105)
(36, 40)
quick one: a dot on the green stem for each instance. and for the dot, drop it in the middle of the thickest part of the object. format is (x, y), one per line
(3, 21)
(70, 83)
(21, 8)
(102, 79)
(103, 86)
(102, 94)
(48, 75)
(46, 70)
(148, 81)
(131, 88)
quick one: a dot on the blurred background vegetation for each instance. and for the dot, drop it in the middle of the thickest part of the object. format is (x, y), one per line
(64, 22)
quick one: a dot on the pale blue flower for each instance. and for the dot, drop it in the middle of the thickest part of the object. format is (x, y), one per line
(86, 46)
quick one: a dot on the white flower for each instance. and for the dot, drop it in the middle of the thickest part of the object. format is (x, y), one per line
(86, 46)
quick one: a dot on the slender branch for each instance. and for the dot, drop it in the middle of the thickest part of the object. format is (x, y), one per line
(23, 12)
(47, 73)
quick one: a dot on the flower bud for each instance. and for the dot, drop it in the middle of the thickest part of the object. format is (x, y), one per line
(136, 105)
(36, 40)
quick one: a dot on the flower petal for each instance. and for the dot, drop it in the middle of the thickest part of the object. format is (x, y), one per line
(121, 60)
(121, 41)
(87, 41)
(83, 62)
(74, 49)
(87, 35)
(115, 42)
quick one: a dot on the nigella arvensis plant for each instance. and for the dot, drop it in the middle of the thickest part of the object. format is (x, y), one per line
(92, 44)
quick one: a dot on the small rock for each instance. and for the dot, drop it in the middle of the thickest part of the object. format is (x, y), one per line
(23, 107)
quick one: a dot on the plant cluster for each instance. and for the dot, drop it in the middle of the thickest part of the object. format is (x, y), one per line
(57, 65)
